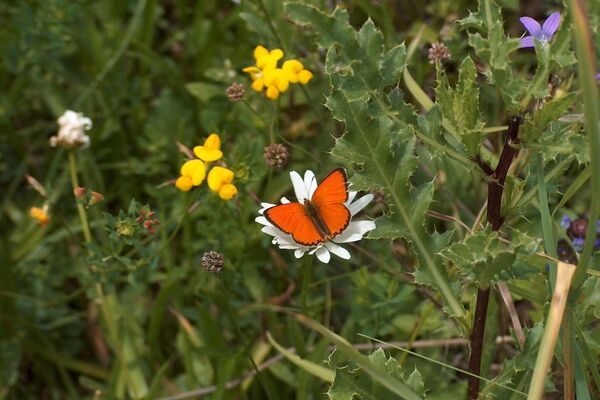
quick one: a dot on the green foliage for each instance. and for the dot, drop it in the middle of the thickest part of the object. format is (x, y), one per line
(351, 383)
(486, 260)
(493, 46)
(460, 106)
(379, 140)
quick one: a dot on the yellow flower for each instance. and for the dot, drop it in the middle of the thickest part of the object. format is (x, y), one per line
(296, 72)
(228, 192)
(211, 150)
(266, 59)
(277, 82)
(184, 183)
(219, 181)
(40, 214)
(304, 76)
(267, 76)
(193, 173)
(278, 78)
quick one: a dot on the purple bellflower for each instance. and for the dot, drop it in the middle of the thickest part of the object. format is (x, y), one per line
(541, 33)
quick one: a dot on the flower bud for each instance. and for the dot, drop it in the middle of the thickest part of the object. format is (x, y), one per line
(438, 52)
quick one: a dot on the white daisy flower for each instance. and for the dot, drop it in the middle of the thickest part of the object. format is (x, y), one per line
(71, 132)
(304, 189)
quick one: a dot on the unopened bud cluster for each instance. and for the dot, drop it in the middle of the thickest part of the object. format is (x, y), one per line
(276, 155)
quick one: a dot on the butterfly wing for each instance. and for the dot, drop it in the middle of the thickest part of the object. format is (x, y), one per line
(329, 199)
(292, 218)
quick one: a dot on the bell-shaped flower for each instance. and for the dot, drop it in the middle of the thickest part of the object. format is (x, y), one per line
(542, 33)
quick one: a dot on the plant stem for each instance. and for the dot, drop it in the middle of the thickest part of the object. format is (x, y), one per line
(307, 277)
(241, 337)
(85, 227)
(262, 6)
(476, 338)
(494, 216)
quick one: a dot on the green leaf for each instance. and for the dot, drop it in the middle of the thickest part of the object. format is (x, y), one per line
(515, 366)
(484, 259)
(495, 48)
(379, 142)
(460, 105)
(351, 383)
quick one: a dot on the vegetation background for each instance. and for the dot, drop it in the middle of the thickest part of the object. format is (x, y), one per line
(151, 73)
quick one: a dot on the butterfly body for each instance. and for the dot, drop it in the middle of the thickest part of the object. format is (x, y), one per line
(312, 211)
(319, 218)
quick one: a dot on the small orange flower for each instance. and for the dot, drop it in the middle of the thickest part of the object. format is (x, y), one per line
(40, 214)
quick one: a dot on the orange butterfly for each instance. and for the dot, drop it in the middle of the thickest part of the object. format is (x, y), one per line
(318, 219)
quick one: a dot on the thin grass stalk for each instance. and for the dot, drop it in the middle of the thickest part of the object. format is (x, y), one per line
(591, 100)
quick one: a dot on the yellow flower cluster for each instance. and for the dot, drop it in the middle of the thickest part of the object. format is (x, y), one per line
(193, 172)
(265, 74)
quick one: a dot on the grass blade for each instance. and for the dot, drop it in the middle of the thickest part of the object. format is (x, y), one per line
(314, 369)
(591, 100)
(553, 323)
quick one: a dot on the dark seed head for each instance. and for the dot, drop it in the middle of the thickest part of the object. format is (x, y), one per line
(213, 261)
(235, 92)
(276, 155)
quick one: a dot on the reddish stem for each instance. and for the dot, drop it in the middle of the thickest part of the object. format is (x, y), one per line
(494, 215)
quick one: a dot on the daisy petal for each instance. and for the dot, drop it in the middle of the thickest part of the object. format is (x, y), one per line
(288, 246)
(527, 41)
(299, 186)
(271, 230)
(338, 250)
(355, 231)
(532, 26)
(551, 24)
(310, 182)
(351, 196)
(323, 255)
(264, 206)
(359, 204)
(299, 253)
(262, 221)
